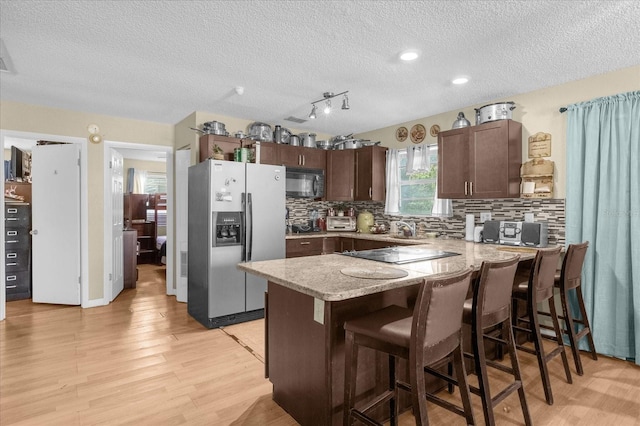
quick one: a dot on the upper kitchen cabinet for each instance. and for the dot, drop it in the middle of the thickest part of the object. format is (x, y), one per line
(356, 174)
(480, 161)
(340, 175)
(370, 167)
(300, 156)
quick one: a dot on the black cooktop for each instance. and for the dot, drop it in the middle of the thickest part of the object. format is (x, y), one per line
(400, 254)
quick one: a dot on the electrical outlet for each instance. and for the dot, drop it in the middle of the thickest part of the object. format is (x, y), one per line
(484, 216)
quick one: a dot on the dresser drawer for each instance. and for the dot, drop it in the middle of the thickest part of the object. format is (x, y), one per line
(16, 238)
(17, 260)
(17, 215)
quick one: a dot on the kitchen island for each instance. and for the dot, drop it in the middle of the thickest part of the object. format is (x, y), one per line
(308, 300)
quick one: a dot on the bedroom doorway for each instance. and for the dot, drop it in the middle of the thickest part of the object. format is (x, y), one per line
(155, 221)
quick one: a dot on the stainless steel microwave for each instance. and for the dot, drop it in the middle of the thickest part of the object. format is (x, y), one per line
(304, 183)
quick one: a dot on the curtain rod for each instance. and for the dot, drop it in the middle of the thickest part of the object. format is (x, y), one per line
(563, 109)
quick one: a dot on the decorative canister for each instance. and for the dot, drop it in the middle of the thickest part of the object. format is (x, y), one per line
(241, 155)
(364, 222)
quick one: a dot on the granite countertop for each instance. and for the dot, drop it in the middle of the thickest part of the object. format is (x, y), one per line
(321, 277)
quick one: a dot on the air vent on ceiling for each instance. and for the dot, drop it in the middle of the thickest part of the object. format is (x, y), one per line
(295, 120)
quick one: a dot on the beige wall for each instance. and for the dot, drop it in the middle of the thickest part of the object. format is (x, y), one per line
(537, 111)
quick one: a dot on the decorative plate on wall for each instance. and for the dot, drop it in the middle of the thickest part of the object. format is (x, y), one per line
(418, 133)
(401, 134)
(434, 130)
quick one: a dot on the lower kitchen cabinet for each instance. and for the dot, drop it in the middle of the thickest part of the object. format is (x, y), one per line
(312, 246)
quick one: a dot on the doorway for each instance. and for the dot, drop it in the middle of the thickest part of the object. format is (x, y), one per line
(137, 152)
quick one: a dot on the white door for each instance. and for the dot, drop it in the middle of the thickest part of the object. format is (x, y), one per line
(183, 161)
(117, 225)
(56, 224)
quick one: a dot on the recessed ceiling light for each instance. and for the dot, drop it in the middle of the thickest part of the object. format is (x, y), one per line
(409, 55)
(460, 80)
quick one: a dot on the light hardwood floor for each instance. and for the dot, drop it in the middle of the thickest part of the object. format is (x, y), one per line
(143, 360)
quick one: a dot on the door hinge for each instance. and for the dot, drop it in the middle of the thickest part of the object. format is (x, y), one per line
(111, 164)
(110, 277)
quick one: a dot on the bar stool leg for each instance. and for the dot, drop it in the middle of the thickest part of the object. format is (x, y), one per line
(515, 366)
(463, 386)
(477, 341)
(585, 323)
(571, 332)
(540, 355)
(556, 327)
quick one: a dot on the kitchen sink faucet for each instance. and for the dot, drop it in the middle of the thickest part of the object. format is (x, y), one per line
(410, 225)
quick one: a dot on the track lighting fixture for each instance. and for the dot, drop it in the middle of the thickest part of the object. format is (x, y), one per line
(327, 96)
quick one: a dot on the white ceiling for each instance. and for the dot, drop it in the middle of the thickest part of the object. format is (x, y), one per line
(162, 60)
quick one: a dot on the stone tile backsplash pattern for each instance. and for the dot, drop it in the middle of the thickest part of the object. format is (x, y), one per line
(549, 210)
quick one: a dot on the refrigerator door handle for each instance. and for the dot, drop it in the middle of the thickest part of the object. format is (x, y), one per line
(244, 227)
(249, 227)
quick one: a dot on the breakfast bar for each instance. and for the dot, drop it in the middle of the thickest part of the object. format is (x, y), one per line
(309, 299)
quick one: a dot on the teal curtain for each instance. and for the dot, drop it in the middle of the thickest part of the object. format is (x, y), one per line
(603, 207)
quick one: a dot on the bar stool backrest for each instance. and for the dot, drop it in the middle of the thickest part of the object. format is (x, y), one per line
(437, 317)
(492, 295)
(572, 265)
(543, 273)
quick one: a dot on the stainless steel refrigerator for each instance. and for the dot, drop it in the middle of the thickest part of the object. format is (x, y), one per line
(236, 214)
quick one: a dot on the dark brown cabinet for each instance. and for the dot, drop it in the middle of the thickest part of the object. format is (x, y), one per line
(135, 217)
(356, 174)
(300, 156)
(129, 258)
(225, 143)
(480, 161)
(370, 167)
(298, 247)
(268, 153)
(340, 175)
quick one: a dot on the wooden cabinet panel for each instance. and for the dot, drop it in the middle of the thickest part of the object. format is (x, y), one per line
(226, 143)
(269, 153)
(17, 245)
(370, 165)
(480, 161)
(299, 156)
(356, 174)
(298, 247)
(340, 175)
(129, 270)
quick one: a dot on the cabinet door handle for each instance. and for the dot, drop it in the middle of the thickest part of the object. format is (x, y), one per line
(351, 192)
(12, 264)
(12, 277)
(471, 188)
(12, 210)
(466, 187)
(370, 192)
(305, 243)
(11, 286)
(303, 159)
(12, 255)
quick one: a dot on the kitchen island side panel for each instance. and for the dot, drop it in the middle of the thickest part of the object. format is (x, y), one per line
(296, 355)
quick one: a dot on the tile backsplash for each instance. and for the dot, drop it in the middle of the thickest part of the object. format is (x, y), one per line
(549, 210)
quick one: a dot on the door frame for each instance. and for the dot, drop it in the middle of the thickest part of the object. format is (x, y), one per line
(84, 213)
(108, 219)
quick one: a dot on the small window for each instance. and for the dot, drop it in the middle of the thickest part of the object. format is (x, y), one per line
(155, 183)
(418, 187)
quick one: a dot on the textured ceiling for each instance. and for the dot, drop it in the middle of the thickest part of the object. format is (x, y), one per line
(162, 60)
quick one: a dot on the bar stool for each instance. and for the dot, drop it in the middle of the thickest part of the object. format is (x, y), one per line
(426, 335)
(491, 307)
(539, 288)
(569, 278)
